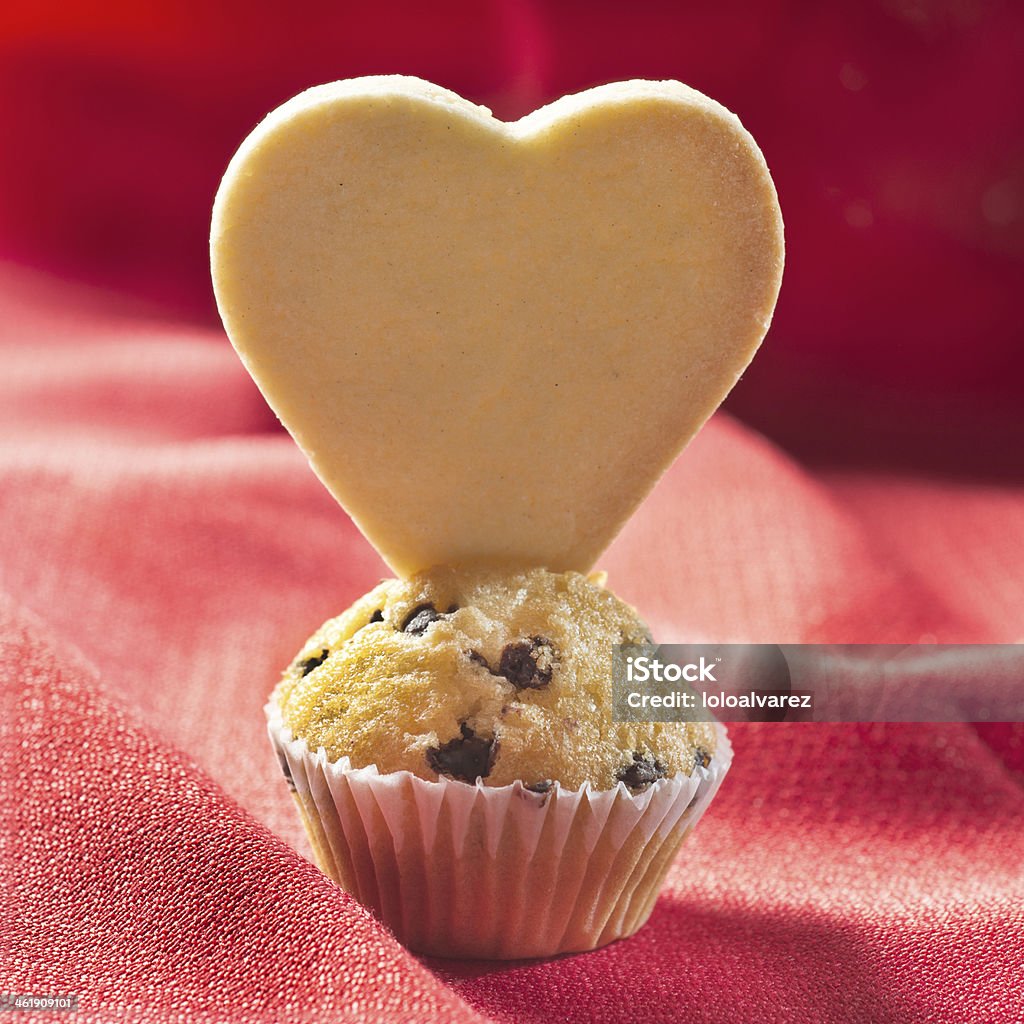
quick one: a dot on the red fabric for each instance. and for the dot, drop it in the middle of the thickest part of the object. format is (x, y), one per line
(164, 549)
(163, 557)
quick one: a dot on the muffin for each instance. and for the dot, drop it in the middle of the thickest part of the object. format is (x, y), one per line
(451, 749)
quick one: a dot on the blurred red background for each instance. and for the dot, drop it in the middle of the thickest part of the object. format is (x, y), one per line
(893, 129)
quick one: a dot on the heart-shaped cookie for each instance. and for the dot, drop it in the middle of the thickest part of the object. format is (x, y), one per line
(492, 339)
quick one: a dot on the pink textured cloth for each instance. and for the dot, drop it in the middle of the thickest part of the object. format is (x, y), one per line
(164, 550)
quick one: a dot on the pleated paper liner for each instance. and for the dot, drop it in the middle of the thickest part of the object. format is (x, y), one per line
(498, 872)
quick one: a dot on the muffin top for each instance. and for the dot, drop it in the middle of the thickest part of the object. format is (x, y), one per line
(491, 675)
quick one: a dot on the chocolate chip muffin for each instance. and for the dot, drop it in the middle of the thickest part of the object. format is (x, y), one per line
(450, 748)
(483, 676)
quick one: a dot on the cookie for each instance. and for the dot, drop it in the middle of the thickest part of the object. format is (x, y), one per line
(491, 339)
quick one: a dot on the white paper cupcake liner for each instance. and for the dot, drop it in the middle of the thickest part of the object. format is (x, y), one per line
(495, 872)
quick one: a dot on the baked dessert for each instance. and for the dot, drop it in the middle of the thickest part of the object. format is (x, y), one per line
(490, 340)
(450, 748)
(502, 677)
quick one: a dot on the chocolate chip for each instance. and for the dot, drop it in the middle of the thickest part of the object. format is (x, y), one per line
(478, 659)
(286, 769)
(544, 786)
(701, 758)
(308, 664)
(528, 664)
(377, 616)
(467, 757)
(417, 621)
(642, 772)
